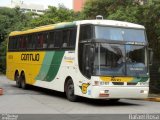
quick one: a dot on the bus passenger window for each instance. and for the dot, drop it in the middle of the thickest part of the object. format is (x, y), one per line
(22, 42)
(45, 36)
(16, 43)
(66, 36)
(33, 41)
(58, 39)
(25, 43)
(40, 40)
(29, 46)
(72, 40)
(51, 40)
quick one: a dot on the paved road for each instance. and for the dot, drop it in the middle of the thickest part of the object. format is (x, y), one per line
(41, 101)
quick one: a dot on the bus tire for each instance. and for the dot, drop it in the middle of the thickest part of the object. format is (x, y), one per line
(17, 79)
(70, 91)
(23, 81)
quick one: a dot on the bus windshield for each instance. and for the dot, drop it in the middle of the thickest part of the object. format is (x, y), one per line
(119, 34)
(119, 60)
(112, 51)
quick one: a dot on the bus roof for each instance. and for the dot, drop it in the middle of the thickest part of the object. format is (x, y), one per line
(43, 28)
(111, 23)
(70, 24)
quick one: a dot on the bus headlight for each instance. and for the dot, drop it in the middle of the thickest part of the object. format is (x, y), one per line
(104, 83)
(96, 83)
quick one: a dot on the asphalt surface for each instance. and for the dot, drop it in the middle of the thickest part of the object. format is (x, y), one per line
(41, 101)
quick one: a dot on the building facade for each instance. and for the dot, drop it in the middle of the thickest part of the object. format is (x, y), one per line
(78, 5)
(39, 9)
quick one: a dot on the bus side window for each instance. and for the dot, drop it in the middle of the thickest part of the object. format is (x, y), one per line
(51, 39)
(26, 42)
(72, 40)
(29, 46)
(58, 38)
(45, 39)
(34, 41)
(16, 43)
(22, 42)
(66, 36)
(40, 40)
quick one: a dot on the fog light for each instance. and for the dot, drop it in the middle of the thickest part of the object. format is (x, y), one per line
(144, 91)
(106, 91)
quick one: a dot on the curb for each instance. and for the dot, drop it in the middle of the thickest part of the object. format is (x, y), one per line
(156, 99)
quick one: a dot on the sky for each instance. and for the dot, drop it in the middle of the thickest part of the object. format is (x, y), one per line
(67, 3)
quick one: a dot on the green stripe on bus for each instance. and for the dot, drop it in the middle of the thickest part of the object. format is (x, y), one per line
(140, 79)
(68, 25)
(50, 66)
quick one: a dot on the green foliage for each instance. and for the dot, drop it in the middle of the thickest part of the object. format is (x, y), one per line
(10, 20)
(93, 8)
(3, 47)
(55, 15)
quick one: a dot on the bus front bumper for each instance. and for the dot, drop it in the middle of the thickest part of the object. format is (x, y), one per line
(119, 92)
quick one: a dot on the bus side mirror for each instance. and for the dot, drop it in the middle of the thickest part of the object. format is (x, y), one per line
(150, 54)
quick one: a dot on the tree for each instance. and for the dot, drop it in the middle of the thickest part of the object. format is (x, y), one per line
(10, 20)
(93, 8)
(55, 15)
(3, 47)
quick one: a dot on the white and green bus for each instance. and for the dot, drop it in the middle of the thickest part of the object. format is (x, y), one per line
(99, 59)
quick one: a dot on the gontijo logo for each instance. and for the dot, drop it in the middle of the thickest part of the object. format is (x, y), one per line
(30, 57)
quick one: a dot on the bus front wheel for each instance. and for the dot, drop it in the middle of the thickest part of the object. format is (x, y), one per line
(70, 91)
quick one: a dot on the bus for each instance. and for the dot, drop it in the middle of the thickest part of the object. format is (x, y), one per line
(97, 59)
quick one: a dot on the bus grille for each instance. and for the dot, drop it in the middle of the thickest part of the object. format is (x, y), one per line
(118, 83)
(131, 83)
